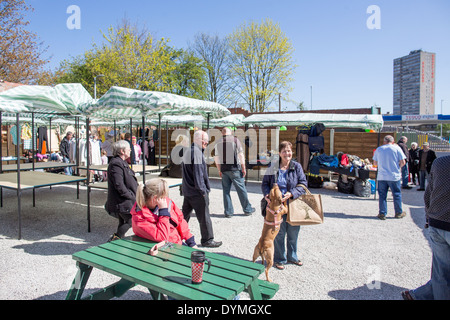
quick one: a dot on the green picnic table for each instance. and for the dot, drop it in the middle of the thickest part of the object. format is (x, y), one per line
(167, 273)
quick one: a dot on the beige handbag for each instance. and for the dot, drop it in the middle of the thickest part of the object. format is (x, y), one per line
(306, 209)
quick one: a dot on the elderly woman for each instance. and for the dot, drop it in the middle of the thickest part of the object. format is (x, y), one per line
(288, 174)
(122, 185)
(156, 217)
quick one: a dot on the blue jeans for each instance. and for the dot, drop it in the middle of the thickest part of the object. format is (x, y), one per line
(291, 232)
(383, 187)
(405, 175)
(235, 178)
(423, 175)
(438, 288)
(67, 170)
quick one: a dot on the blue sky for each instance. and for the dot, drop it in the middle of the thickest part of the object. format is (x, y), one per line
(347, 64)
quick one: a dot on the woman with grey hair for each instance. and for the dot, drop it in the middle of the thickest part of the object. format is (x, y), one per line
(122, 185)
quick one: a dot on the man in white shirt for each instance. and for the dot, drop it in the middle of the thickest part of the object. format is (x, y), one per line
(389, 159)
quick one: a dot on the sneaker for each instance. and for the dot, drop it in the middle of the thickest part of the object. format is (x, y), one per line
(407, 187)
(250, 213)
(400, 215)
(381, 216)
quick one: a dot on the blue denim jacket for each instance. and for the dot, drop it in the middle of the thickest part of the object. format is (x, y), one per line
(294, 177)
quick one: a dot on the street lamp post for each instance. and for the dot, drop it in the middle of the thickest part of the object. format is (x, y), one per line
(311, 98)
(95, 84)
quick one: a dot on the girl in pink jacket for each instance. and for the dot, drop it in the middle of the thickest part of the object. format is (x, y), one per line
(156, 217)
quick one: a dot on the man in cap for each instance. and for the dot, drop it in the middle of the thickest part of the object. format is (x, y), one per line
(426, 158)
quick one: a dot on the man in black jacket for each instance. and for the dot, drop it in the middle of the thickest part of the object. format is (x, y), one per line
(196, 188)
(426, 158)
(64, 148)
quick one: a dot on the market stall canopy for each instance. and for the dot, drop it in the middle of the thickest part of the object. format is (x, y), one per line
(363, 121)
(13, 120)
(62, 98)
(123, 103)
(11, 106)
(233, 120)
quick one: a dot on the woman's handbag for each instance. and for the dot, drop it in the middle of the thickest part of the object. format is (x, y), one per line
(305, 210)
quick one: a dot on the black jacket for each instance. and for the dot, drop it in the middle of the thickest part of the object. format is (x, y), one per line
(431, 156)
(404, 148)
(195, 173)
(122, 185)
(64, 147)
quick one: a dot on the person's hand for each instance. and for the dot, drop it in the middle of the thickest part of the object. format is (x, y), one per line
(162, 203)
(286, 196)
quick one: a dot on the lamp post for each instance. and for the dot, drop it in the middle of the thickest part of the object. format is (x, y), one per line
(311, 97)
(95, 84)
(442, 100)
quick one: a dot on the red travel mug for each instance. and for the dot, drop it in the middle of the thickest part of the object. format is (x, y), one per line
(197, 266)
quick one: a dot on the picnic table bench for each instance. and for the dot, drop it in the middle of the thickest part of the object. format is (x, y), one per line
(167, 273)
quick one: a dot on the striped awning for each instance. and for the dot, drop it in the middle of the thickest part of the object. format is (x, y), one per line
(120, 102)
(62, 98)
(11, 106)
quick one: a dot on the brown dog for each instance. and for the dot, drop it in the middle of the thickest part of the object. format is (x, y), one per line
(274, 212)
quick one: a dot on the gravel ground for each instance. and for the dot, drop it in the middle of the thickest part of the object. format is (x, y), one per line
(353, 255)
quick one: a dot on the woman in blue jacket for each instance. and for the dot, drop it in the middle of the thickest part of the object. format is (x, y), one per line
(288, 174)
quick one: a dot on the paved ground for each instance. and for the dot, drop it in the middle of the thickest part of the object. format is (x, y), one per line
(353, 255)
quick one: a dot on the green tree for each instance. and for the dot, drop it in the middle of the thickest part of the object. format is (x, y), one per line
(189, 77)
(261, 63)
(130, 57)
(131, 60)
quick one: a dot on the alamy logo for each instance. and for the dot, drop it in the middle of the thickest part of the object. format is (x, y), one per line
(74, 20)
(374, 21)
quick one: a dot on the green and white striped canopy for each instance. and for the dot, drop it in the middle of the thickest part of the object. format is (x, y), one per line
(233, 120)
(62, 98)
(11, 106)
(362, 121)
(40, 98)
(120, 102)
(72, 95)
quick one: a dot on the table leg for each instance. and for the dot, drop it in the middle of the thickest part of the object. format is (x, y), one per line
(254, 291)
(157, 295)
(79, 283)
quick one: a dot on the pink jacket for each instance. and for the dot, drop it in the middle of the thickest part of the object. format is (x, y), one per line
(149, 225)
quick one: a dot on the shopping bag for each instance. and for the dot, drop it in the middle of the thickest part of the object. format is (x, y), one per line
(305, 210)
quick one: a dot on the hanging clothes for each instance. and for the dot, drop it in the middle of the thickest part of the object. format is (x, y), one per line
(73, 150)
(13, 133)
(42, 140)
(302, 150)
(95, 156)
